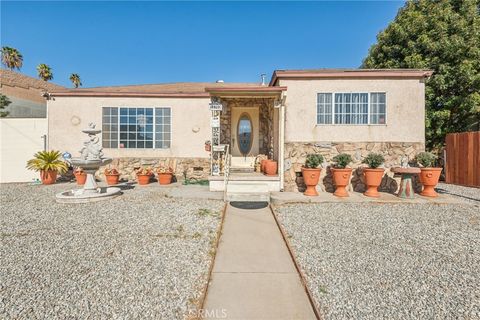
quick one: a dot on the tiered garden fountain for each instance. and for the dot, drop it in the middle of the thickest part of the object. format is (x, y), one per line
(90, 160)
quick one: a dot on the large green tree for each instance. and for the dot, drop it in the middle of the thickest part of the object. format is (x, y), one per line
(11, 58)
(442, 35)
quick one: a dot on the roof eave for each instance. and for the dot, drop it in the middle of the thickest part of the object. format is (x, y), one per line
(130, 94)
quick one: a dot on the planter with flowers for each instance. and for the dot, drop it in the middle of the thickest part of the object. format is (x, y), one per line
(80, 176)
(112, 176)
(429, 175)
(49, 164)
(311, 173)
(373, 174)
(164, 175)
(341, 174)
(144, 175)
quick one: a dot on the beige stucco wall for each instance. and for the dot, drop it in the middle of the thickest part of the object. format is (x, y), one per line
(188, 114)
(405, 111)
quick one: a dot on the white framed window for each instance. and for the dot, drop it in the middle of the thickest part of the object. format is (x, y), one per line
(324, 108)
(360, 108)
(378, 108)
(136, 127)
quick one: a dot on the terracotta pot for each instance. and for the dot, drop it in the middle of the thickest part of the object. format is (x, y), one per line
(112, 179)
(81, 178)
(48, 177)
(143, 179)
(263, 162)
(341, 178)
(373, 179)
(164, 178)
(310, 178)
(271, 168)
(429, 178)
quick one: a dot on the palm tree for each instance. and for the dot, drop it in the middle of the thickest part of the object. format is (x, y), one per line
(75, 78)
(44, 72)
(11, 58)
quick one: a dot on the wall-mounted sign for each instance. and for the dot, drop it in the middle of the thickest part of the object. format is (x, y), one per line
(215, 106)
(215, 122)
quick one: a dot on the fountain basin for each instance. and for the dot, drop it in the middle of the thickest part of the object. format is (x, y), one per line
(78, 196)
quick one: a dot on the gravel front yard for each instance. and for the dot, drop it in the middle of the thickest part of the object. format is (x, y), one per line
(389, 261)
(141, 255)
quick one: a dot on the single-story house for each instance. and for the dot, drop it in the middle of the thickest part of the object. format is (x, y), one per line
(327, 111)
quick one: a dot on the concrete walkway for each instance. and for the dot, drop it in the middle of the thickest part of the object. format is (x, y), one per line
(254, 276)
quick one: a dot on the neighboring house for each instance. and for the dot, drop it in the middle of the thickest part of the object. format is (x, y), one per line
(26, 94)
(23, 131)
(299, 112)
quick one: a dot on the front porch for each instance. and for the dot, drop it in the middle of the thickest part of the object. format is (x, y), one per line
(247, 126)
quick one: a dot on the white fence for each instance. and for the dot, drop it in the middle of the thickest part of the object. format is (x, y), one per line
(19, 140)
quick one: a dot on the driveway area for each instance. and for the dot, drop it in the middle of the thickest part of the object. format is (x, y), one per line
(142, 255)
(389, 261)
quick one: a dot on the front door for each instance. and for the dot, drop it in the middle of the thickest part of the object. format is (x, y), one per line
(244, 133)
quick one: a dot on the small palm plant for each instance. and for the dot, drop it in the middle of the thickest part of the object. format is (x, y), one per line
(75, 78)
(49, 163)
(11, 58)
(44, 72)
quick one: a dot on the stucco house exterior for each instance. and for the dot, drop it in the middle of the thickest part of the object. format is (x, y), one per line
(328, 111)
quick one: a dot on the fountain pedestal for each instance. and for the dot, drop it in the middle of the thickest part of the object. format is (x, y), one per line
(91, 159)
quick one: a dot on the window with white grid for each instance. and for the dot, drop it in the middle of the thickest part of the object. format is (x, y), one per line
(137, 127)
(378, 108)
(351, 108)
(324, 108)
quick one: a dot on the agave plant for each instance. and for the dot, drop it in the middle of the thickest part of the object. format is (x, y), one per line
(47, 161)
(11, 58)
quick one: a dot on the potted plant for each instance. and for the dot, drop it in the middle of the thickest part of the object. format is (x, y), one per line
(80, 176)
(144, 175)
(341, 174)
(311, 173)
(373, 174)
(112, 176)
(429, 175)
(271, 167)
(49, 164)
(164, 175)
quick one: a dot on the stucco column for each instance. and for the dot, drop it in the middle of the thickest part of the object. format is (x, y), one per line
(281, 142)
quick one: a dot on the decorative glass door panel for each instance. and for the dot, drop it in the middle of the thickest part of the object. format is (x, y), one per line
(244, 134)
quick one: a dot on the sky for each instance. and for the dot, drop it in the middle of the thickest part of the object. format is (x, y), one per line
(121, 43)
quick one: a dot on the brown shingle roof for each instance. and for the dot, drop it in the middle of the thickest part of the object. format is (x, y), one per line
(180, 89)
(15, 79)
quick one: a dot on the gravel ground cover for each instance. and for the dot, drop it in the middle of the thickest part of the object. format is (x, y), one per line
(465, 193)
(141, 255)
(388, 261)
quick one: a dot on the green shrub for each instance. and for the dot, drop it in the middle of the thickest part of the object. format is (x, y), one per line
(374, 160)
(426, 159)
(46, 161)
(313, 161)
(342, 160)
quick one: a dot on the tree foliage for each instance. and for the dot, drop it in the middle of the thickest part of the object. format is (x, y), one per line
(444, 36)
(44, 72)
(11, 58)
(75, 79)
(4, 102)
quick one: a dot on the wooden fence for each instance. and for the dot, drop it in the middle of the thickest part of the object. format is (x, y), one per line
(462, 158)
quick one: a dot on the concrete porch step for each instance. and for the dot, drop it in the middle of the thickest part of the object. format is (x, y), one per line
(249, 196)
